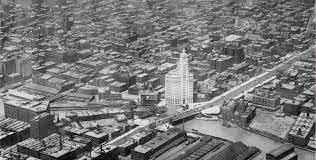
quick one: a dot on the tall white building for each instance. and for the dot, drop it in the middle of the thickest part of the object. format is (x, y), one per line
(179, 84)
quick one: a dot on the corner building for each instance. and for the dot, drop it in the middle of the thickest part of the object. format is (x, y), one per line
(179, 84)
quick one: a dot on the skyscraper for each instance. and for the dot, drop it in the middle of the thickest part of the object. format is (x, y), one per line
(179, 84)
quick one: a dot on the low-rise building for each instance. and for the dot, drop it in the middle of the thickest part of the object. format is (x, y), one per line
(13, 131)
(302, 129)
(237, 111)
(289, 90)
(148, 97)
(54, 147)
(266, 99)
(284, 152)
(102, 134)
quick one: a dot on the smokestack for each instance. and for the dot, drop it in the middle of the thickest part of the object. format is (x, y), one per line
(42, 142)
(60, 143)
(101, 148)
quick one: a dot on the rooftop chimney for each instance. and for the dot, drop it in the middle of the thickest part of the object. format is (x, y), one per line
(299, 132)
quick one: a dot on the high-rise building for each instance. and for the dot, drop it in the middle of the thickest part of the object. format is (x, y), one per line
(179, 84)
(24, 66)
(8, 65)
(2, 82)
(40, 126)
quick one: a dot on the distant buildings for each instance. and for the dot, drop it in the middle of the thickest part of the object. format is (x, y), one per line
(179, 84)
(237, 52)
(24, 66)
(15, 68)
(8, 65)
(86, 54)
(220, 63)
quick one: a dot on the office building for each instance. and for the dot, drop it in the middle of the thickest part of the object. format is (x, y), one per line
(24, 110)
(291, 107)
(266, 99)
(40, 126)
(8, 65)
(24, 66)
(179, 84)
(237, 52)
(220, 63)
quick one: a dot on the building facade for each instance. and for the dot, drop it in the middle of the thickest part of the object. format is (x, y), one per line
(266, 99)
(40, 126)
(24, 110)
(302, 130)
(179, 84)
(149, 98)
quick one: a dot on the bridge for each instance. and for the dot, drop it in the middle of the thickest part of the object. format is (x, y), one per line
(225, 96)
(234, 92)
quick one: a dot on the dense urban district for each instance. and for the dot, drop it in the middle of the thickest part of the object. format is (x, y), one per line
(157, 79)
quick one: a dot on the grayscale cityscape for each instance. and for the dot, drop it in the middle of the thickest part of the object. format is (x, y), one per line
(157, 79)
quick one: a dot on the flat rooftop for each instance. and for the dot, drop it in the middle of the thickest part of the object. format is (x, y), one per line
(232, 37)
(269, 123)
(29, 105)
